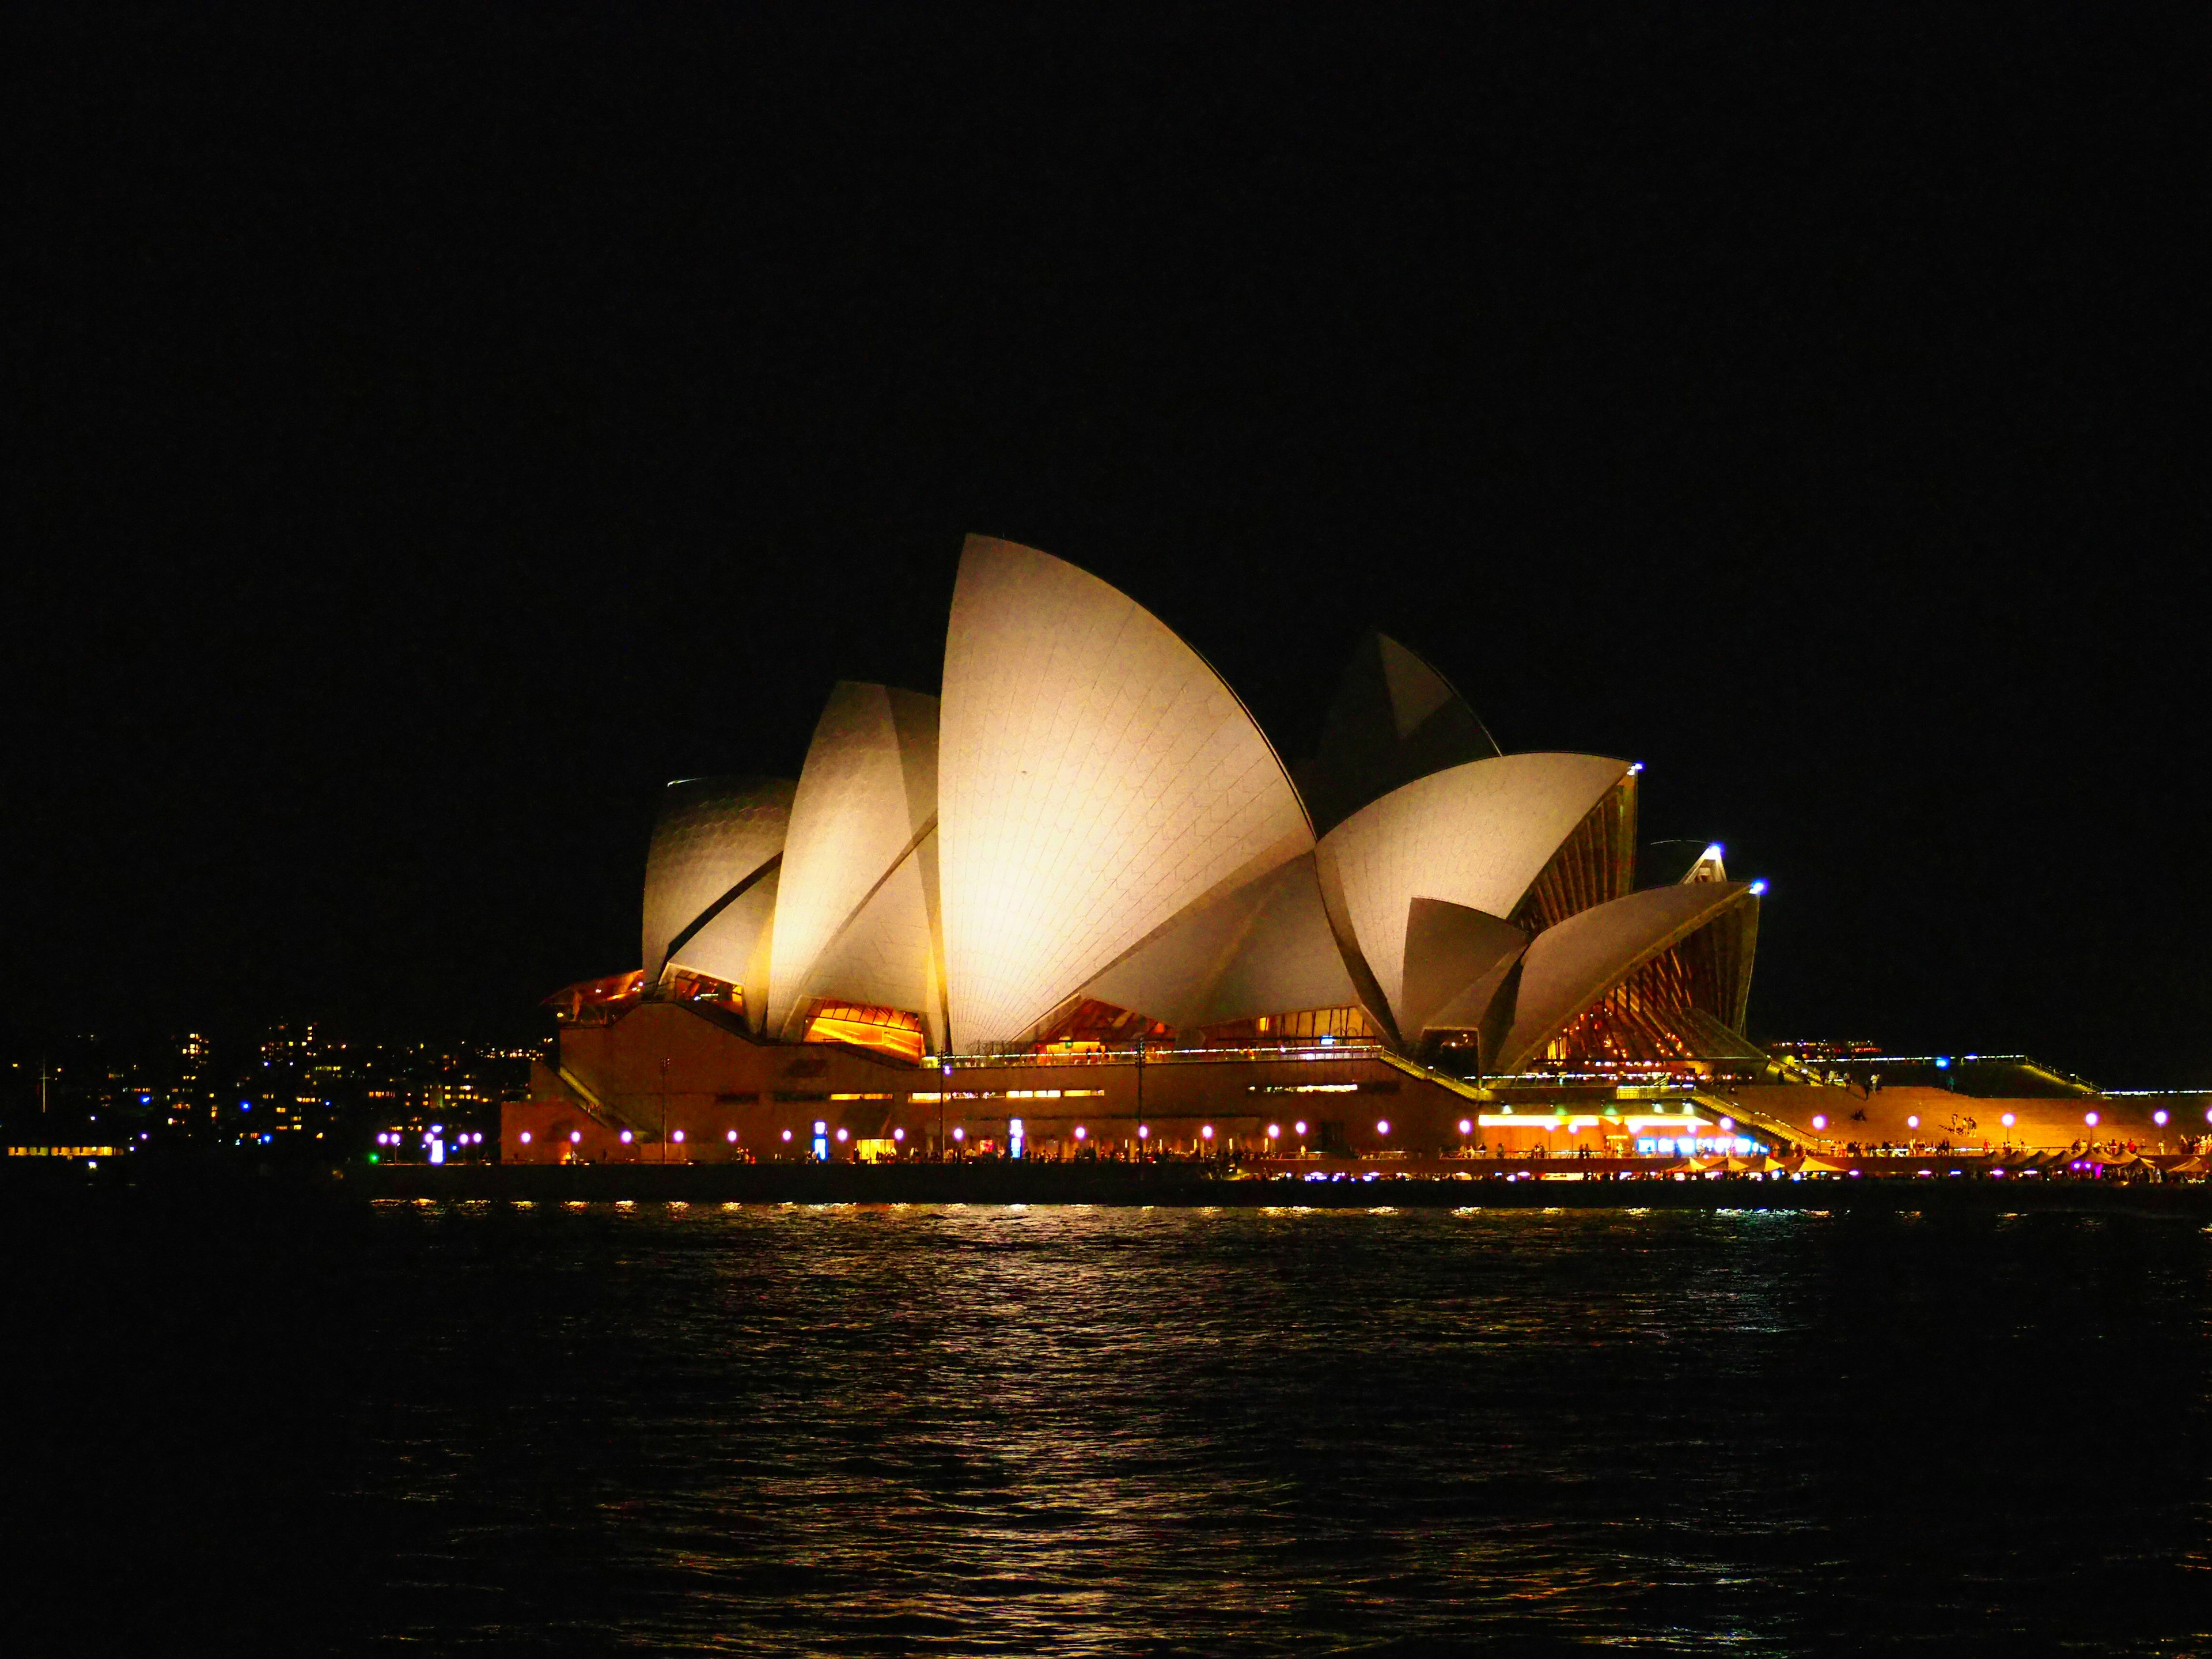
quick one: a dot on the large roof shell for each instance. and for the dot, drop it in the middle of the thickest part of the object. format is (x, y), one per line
(1570, 967)
(715, 844)
(1096, 778)
(866, 797)
(1475, 836)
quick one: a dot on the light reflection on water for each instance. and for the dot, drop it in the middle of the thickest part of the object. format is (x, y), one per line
(988, 1428)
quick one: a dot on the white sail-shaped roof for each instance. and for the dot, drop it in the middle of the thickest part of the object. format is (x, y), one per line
(888, 954)
(1451, 952)
(1096, 777)
(866, 797)
(732, 944)
(714, 846)
(1475, 836)
(1569, 967)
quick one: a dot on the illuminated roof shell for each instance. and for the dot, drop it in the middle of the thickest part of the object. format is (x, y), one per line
(866, 797)
(887, 955)
(1570, 967)
(713, 844)
(1475, 836)
(1096, 777)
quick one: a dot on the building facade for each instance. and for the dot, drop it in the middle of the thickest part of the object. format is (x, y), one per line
(1080, 901)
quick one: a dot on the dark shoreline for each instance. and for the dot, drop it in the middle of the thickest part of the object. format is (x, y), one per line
(1180, 1186)
(1189, 1186)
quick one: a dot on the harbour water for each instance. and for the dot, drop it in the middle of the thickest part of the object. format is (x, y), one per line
(459, 1427)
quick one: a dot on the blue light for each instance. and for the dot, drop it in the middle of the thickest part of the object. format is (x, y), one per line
(1943, 1065)
(1757, 888)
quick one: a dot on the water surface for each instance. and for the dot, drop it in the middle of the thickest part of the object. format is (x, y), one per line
(993, 1430)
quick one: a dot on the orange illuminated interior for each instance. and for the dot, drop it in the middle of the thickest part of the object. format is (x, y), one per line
(887, 1030)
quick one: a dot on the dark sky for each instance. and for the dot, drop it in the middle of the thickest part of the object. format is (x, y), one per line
(431, 429)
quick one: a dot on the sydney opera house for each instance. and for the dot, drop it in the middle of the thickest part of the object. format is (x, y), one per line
(1078, 905)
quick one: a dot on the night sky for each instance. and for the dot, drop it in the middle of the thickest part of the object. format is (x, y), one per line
(431, 428)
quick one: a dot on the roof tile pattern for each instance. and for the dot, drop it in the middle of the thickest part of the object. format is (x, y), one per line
(712, 834)
(734, 944)
(866, 794)
(888, 957)
(1097, 776)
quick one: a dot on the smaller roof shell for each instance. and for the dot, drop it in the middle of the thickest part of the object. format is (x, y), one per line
(1451, 952)
(866, 797)
(1569, 967)
(712, 843)
(1475, 836)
